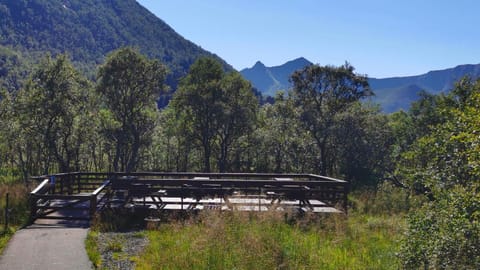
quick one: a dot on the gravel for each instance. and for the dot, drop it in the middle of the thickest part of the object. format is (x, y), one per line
(119, 249)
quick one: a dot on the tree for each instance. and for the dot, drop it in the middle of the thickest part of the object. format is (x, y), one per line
(51, 111)
(238, 114)
(282, 145)
(218, 108)
(321, 93)
(362, 140)
(197, 99)
(130, 85)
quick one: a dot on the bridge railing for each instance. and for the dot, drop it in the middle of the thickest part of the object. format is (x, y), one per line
(99, 187)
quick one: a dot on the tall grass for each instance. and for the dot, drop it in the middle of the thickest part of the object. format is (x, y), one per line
(368, 238)
(18, 209)
(237, 240)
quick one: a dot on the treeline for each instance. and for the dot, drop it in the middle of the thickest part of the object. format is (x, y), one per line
(61, 121)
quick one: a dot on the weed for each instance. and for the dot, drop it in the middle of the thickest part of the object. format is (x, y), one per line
(114, 245)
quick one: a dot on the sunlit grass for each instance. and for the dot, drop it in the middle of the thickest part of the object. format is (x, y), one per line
(244, 241)
(91, 245)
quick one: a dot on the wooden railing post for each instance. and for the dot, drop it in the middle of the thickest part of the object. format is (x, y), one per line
(345, 197)
(79, 185)
(33, 208)
(52, 183)
(70, 185)
(93, 205)
(61, 186)
(7, 212)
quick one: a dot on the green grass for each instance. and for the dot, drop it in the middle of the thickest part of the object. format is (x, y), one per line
(91, 245)
(244, 241)
(368, 239)
(5, 237)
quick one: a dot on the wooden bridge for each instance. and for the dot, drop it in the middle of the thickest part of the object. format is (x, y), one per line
(80, 195)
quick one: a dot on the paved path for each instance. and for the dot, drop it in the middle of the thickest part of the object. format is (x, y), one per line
(47, 246)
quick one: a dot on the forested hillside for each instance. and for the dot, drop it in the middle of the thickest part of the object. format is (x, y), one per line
(87, 30)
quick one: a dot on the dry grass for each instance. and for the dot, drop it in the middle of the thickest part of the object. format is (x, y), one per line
(18, 196)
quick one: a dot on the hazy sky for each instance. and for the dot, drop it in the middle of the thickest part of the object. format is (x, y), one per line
(380, 38)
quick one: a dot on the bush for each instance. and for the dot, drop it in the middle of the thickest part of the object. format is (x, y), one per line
(445, 233)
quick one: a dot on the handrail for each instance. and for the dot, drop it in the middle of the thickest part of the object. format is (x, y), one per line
(40, 187)
(98, 190)
(231, 183)
(193, 174)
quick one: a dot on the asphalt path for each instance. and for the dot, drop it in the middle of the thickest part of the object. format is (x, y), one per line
(47, 246)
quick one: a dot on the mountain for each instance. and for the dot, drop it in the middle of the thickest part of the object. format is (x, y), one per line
(397, 93)
(393, 94)
(269, 80)
(88, 30)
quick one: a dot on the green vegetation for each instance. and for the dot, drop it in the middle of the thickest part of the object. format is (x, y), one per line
(219, 109)
(442, 163)
(247, 241)
(91, 245)
(130, 113)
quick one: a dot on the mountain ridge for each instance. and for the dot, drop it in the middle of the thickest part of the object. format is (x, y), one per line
(388, 90)
(269, 80)
(392, 93)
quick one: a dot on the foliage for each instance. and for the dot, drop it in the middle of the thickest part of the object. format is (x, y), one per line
(322, 93)
(51, 112)
(444, 234)
(346, 138)
(13, 69)
(88, 30)
(361, 141)
(280, 143)
(129, 85)
(443, 164)
(218, 108)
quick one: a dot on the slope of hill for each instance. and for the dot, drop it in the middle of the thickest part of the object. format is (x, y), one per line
(89, 29)
(269, 80)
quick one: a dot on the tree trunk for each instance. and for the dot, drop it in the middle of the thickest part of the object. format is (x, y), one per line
(206, 157)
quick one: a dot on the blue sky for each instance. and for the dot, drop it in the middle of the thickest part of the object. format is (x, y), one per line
(379, 38)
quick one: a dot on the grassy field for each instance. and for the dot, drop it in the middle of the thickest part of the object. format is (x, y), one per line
(251, 241)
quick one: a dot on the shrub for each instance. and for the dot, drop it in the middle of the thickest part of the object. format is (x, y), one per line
(445, 233)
